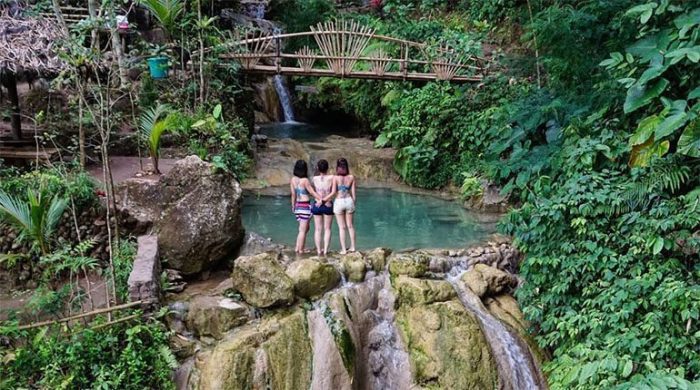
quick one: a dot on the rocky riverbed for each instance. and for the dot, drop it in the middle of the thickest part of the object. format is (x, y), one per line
(371, 320)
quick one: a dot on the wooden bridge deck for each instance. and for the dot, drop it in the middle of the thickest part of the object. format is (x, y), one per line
(343, 50)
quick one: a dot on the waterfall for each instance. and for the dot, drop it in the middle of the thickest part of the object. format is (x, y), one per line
(513, 358)
(285, 98)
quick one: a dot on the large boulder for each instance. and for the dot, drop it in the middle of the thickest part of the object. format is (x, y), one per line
(312, 278)
(262, 280)
(354, 266)
(488, 281)
(213, 316)
(195, 211)
(275, 354)
(445, 343)
(410, 264)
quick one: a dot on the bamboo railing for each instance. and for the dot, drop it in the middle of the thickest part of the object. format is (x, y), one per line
(88, 314)
(341, 46)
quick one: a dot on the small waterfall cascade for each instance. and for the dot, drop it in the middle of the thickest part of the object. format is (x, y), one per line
(511, 354)
(285, 98)
(255, 10)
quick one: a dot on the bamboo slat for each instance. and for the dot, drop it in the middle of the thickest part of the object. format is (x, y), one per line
(81, 315)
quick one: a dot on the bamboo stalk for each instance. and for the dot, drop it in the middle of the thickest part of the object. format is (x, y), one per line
(78, 316)
(110, 323)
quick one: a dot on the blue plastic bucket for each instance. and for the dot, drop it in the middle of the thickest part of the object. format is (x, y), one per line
(158, 66)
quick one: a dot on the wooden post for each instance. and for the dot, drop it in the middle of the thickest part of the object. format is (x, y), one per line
(405, 60)
(9, 80)
(278, 58)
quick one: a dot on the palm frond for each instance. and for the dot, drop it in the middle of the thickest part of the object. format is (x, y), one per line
(15, 212)
(53, 215)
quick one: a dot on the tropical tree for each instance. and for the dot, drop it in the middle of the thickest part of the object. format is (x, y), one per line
(35, 218)
(154, 122)
(166, 12)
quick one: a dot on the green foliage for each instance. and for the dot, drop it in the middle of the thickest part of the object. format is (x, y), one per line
(660, 71)
(299, 15)
(121, 356)
(154, 122)
(75, 184)
(215, 139)
(123, 263)
(166, 12)
(34, 217)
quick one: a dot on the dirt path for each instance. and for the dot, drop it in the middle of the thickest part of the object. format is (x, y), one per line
(125, 167)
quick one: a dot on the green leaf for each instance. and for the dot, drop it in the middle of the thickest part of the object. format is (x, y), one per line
(689, 142)
(639, 96)
(642, 154)
(658, 245)
(694, 94)
(627, 369)
(217, 111)
(645, 129)
(676, 118)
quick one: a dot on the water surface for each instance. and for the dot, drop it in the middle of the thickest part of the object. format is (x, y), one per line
(305, 131)
(384, 218)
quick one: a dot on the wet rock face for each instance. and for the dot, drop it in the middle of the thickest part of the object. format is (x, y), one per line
(409, 264)
(354, 267)
(407, 328)
(212, 316)
(445, 342)
(312, 278)
(261, 280)
(195, 212)
(274, 354)
(488, 281)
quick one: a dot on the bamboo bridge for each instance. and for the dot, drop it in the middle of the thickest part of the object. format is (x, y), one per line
(346, 49)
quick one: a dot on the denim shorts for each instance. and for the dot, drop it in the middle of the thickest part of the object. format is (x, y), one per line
(322, 209)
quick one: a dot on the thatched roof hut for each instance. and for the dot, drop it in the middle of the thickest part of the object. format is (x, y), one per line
(27, 44)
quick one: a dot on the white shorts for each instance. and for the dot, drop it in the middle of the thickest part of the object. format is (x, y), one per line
(343, 205)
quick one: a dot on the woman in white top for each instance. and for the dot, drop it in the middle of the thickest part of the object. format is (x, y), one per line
(344, 203)
(323, 211)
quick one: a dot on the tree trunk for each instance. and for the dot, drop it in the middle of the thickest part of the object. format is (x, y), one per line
(59, 15)
(117, 45)
(10, 82)
(92, 9)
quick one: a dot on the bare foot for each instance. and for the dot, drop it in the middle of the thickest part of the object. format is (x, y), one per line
(343, 252)
(351, 250)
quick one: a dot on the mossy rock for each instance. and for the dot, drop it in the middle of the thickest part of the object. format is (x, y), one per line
(274, 354)
(377, 258)
(354, 267)
(414, 265)
(312, 278)
(414, 291)
(289, 354)
(262, 281)
(446, 346)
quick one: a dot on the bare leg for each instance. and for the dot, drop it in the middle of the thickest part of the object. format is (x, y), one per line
(318, 226)
(301, 237)
(341, 229)
(351, 230)
(327, 226)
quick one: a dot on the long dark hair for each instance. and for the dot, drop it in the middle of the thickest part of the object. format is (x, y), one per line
(301, 169)
(341, 167)
(322, 166)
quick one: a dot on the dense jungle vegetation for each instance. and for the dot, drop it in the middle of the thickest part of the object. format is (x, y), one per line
(589, 121)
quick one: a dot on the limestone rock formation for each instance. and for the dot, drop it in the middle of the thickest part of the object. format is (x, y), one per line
(488, 281)
(377, 258)
(431, 321)
(262, 280)
(312, 278)
(274, 354)
(195, 212)
(354, 266)
(409, 264)
(213, 316)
